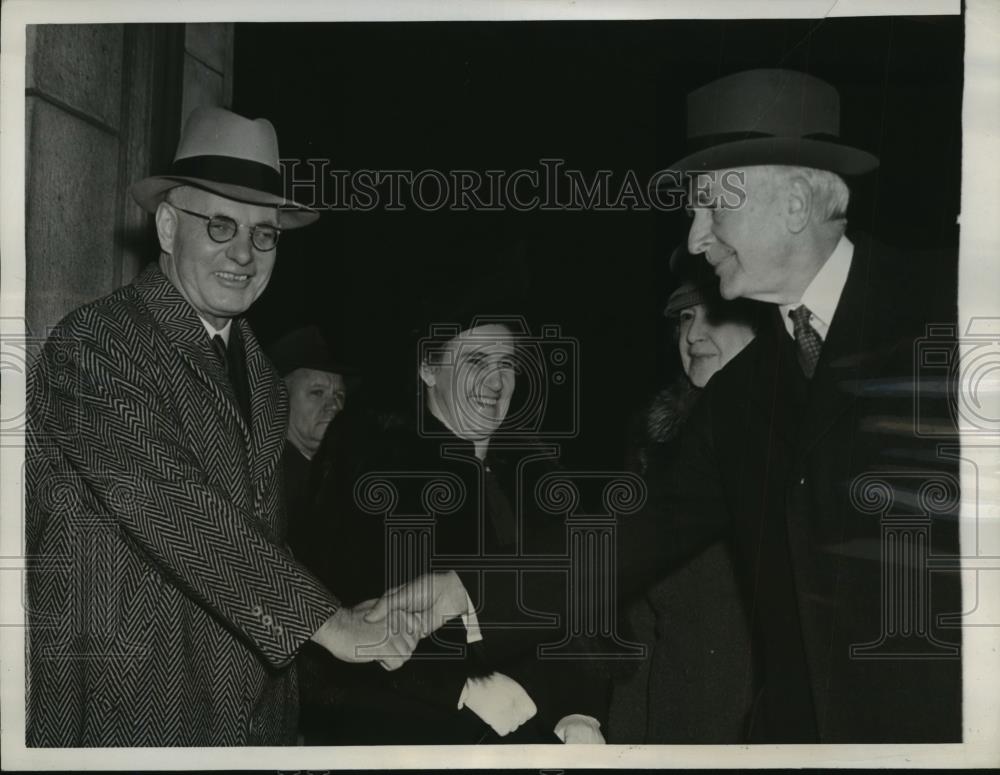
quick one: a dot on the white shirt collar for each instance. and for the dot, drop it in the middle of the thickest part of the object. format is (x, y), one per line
(212, 330)
(823, 293)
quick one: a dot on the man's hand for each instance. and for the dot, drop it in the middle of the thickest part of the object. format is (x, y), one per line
(431, 600)
(350, 637)
(498, 700)
(577, 728)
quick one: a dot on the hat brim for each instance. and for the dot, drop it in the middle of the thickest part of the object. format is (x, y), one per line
(149, 192)
(685, 297)
(792, 151)
(329, 366)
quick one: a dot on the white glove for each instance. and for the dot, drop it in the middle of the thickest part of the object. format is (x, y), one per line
(498, 700)
(577, 728)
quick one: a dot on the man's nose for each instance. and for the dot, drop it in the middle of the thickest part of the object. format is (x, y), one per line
(700, 237)
(493, 379)
(241, 247)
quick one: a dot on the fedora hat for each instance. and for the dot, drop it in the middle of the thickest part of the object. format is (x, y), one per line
(305, 348)
(226, 154)
(761, 117)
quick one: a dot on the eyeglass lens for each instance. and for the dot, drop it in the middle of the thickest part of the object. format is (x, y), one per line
(222, 229)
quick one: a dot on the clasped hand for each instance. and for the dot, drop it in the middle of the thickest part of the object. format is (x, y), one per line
(429, 601)
(350, 637)
(389, 629)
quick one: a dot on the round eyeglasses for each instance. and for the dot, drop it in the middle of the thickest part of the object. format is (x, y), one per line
(222, 228)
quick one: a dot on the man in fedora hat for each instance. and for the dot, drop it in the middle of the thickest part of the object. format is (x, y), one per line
(317, 393)
(164, 606)
(802, 450)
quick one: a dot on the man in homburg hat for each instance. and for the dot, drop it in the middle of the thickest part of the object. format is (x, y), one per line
(164, 607)
(802, 450)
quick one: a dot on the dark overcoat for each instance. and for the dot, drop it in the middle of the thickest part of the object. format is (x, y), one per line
(164, 607)
(446, 509)
(842, 516)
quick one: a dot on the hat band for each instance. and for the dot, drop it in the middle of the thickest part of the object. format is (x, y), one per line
(226, 169)
(704, 142)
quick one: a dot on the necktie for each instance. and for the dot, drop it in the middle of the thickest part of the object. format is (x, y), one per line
(232, 358)
(808, 342)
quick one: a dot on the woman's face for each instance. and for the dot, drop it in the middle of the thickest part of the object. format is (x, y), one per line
(707, 342)
(470, 381)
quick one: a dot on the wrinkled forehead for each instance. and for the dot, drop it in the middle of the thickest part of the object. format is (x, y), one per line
(729, 186)
(316, 378)
(493, 340)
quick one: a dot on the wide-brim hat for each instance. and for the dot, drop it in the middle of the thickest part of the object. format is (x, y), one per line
(306, 348)
(229, 155)
(770, 116)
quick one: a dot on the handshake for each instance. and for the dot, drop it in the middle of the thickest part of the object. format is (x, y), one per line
(387, 630)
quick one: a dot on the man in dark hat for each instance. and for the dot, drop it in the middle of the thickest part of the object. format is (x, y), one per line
(802, 449)
(317, 393)
(164, 606)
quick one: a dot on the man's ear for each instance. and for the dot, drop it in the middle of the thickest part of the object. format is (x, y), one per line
(166, 226)
(799, 198)
(428, 374)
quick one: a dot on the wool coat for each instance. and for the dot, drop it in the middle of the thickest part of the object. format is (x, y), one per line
(843, 517)
(164, 606)
(696, 685)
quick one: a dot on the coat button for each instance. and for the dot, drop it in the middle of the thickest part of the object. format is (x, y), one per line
(267, 621)
(279, 630)
(257, 610)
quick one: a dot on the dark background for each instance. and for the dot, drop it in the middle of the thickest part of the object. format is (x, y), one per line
(600, 95)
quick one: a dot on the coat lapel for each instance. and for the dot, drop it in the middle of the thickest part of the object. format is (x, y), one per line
(263, 440)
(835, 385)
(183, 328)
(268, 412)
(775, 381)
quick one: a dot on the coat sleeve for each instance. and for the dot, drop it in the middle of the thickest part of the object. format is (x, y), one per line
(684, 511)
(110, 428)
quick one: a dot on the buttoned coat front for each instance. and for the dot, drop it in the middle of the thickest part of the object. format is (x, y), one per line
(164, 606)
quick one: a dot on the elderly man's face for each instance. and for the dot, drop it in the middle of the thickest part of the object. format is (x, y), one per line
(314, 399)
(707, 342)
(748, 247)
(471, 380)
(220, 280)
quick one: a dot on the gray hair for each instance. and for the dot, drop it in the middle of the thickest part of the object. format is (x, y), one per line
(830, 192)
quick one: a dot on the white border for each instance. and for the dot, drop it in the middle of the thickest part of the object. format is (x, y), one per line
(979, 295)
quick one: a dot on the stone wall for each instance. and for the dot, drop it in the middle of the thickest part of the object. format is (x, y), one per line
(208, 58)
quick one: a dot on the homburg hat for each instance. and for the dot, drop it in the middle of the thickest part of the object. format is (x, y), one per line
(771, 116)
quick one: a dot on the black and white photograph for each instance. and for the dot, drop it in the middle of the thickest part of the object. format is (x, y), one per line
(500, 385)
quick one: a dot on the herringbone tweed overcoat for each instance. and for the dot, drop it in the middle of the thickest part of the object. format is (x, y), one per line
(164, 606)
